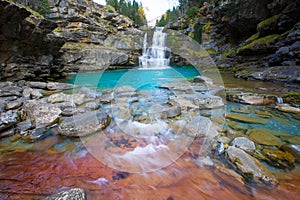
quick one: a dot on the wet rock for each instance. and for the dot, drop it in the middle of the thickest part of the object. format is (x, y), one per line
(264, 137)
(59, 86)
(90, 93)
(250, 98)
(279, 158)
(243, 143)
(241, 110)
(7, 119)
(92, 105)
(200, 127)
(203, 79)
(10, 91)
(107, 98)
(171, 112)
(263, 114)
(74, 194)
(83, 124)
(76, 98)
(289, 109)
(292, 139)
(208, 101)
(236, 126)
(246, 119)
(294, 150)
(41, 114)
(249, 166)
(36, 84)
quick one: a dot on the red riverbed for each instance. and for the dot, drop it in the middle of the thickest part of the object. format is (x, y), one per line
(35, 175)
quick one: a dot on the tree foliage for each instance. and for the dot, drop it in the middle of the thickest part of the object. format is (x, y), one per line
(133, 10)
(41, 6)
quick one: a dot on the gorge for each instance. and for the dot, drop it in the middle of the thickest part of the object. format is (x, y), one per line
(94, 106)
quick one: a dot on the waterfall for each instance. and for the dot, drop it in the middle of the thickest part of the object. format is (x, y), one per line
(155, 55)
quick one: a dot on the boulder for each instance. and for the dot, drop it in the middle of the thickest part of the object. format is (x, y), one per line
(294, 150)
(246, 119)
(249, 166)
(264, 137)
(203, 79)
(37, 84)
(10, 91)
(84, 124)
(201, 127)
(243, 143)
(74, 194)
(41, 114)
(290, 109)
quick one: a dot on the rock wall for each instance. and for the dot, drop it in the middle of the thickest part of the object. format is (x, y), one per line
(28, 49)
(96, 38)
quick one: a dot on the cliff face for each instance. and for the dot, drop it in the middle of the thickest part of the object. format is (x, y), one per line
(96, 37)
(258, 39)
(28, 49)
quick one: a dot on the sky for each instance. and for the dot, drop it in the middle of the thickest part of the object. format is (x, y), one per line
(153, 8)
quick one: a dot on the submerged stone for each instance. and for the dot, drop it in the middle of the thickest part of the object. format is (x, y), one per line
(279, 158)
(264, 137)
(250, 166)
(289, 109)
(246, 119)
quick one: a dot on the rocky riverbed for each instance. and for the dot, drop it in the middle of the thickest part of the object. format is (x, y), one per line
(58, 118)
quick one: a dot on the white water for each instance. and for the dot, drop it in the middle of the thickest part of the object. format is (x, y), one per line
(155, 55)
(279, 100)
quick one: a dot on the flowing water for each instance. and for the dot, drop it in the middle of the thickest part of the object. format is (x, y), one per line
(55, 163)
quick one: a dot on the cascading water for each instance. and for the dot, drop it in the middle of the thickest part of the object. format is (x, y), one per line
(155, 55)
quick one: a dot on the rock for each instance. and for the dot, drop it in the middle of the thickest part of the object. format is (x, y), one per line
(289, 109)
(92, 105)
(249, 166)
(13, 105)
(84, 124)
(27, 92)
(208, 101)
(200, 127)
(7, 119)
(107, 98)
(292, 139)
(36, 84)
(264, 137)
(243, 143)
(41, 114)
(246, 119)
(7, 133)
(59, 86)
(76, 98)
(279, 158)
(36, 94)
(23, 126)
(252, 99)
(241, 110)
(10, 91)
(236, 126)
(294, 150)
(171, 112)
(72, 194)
(90, 93)
(203, 79)
(124, 89)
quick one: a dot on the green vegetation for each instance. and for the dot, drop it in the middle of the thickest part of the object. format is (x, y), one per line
(272, 21)
(265, 41)
(40, 6)
(253, 37)
(133, 10)
(192, 11)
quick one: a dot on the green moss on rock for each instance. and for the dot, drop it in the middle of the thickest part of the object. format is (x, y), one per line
(271, 22)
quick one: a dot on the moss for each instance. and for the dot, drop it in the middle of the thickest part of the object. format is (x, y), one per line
(73, 46)
(253, 37)
(292, 98)
(206, 27)
(267, 22)
(211, 51)
(110, 8)
(57, 30)
(265, 41)
(34, 13)
(228, 52)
